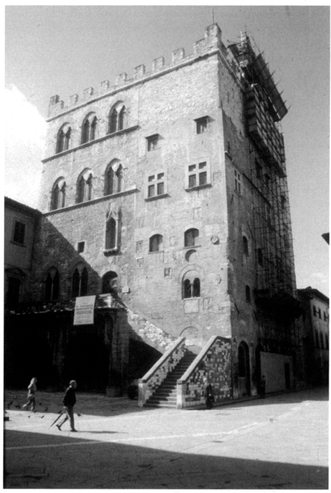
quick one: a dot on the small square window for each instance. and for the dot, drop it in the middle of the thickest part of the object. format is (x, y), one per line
(152, 142)
(202, 125)
(80, 246)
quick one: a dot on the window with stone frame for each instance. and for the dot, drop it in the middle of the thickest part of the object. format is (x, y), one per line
(80, 281)
(155, 243)
(63, 140)
(202, 124)
(191, 237)
(58, 195)
(198, 174)
(112, 231)
(156, 185)
(152, 142)
(19, 232)
(117, 118)
(113, 178)
(191, 285)
(89, 128)
(85, 187)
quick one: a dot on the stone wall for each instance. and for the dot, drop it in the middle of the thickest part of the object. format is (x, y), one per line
(213, 365)
(149, 283)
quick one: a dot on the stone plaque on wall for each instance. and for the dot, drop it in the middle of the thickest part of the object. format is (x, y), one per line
(191, 306)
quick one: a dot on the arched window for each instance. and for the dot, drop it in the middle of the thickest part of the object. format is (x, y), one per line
(58, 194)
(191, 285)
(79, 280)
(112, 231)
(52, 284)
(155, 243)
(191, 237)
(84, 187)
(89, 128)
(196, 287)
(113, 178)
(187, 291)
(117, 118)
(63, 138)
(245, 246)
(109, 283)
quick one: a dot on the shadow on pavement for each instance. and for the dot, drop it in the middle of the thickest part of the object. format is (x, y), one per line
(101, 405)
(33, 460)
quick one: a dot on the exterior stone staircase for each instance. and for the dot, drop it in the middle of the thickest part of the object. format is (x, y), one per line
(166, 394)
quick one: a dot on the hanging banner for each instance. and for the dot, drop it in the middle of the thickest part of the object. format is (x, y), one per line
(84, 310)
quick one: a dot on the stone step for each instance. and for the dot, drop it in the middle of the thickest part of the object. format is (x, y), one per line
(166, 394)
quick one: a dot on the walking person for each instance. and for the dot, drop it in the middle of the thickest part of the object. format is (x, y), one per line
(69, 400)
(32, 389)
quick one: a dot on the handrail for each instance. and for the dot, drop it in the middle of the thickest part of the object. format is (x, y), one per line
(161, 361)
(199, 358)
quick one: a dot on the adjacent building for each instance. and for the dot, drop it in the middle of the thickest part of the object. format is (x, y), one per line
(20, 225)
(315, 327)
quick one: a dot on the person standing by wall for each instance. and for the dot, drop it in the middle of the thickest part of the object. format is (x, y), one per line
(263, 384)
(32, 388)
(209, 394)
(69, 400)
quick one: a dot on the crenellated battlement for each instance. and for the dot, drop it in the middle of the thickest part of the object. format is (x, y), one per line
(211, 41)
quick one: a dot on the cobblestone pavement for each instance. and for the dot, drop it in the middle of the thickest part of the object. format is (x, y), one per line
(280, 442)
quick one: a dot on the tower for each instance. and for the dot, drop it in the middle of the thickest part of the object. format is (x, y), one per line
(168, 190)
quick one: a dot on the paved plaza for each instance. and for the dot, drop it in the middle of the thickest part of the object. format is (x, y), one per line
(280, 442)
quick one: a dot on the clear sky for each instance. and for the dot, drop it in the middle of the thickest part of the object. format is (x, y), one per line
(65, 49)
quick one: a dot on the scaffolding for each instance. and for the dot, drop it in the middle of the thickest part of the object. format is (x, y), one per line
(275, 291)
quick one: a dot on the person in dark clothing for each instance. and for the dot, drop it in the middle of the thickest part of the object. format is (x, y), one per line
(263, 384)
(209, 396)
(69, 400)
